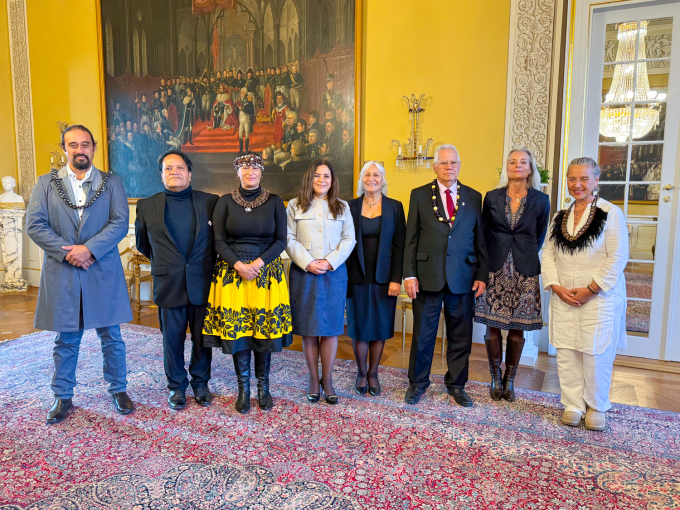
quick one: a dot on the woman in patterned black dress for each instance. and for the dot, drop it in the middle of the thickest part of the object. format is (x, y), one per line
(516, 217)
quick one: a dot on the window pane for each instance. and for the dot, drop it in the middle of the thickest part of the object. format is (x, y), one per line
(657, 76)
(611, 44)
(658, 38)
(613, 161)
(642, 238)
(649, 125)
(639, 280)
(614, 193)
(646, 162)
(637, 316)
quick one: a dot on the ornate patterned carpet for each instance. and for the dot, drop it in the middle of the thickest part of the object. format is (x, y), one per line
(371, 453)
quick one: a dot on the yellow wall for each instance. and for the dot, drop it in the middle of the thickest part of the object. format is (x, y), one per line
(7, 142)
(63, 48)
(454, 52)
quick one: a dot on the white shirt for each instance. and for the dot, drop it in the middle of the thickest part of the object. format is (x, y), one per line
(592, 327)
(454, 195)
(77, 187)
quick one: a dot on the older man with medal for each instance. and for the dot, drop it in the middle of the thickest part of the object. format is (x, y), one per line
(445, 261)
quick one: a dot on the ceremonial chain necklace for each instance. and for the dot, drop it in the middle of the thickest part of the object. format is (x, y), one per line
(64, 196)
(249, 206)
(565, 220)
(434, 202)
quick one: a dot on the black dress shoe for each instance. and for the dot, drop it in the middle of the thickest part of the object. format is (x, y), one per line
(59, 410)
(413, 395)
(461, 397)
(330, 399)
(375, 390)
(177, 400)
(313, 397)
(203, 397)
(361, 390)
(122, 403)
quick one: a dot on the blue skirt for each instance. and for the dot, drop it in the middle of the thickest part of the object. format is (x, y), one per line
(317, 301)
(370, 312)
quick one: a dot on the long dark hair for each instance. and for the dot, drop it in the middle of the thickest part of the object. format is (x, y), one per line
(305, 193)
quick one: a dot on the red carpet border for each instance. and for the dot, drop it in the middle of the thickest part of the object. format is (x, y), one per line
(366, 452)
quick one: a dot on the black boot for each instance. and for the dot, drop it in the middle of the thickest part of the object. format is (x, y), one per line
(240, 145)
(513, 353)
(262, 366)
(494, 351)
(247, 143)
(242, 368)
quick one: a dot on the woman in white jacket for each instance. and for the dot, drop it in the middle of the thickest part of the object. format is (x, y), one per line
(583, 264)
(320, 238)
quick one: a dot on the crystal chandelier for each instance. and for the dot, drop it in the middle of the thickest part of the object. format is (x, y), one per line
(626, 87)
(414, 158)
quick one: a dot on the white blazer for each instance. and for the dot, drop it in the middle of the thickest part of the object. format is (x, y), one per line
(590, 328)
(316, 235)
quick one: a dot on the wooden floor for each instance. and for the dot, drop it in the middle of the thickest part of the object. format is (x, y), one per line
(635, 381)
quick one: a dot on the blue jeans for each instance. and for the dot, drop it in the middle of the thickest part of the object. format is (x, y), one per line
(66, 348)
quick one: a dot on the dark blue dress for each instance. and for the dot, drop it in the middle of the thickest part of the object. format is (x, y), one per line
(370, 311)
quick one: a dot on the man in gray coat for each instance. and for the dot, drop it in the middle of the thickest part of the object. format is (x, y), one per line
(78, 215)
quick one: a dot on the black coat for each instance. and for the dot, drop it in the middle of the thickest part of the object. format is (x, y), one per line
(390, 245)
(437, 254)
(177, 281)
(527, 238)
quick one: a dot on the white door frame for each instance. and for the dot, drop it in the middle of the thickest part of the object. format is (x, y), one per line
(574, 144)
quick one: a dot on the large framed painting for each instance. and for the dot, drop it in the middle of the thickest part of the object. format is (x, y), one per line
(216, 77)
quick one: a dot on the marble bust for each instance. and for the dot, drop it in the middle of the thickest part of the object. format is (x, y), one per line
(9, 197)
(12, 210)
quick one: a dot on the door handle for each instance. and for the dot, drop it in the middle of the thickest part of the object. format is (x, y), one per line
(666, 199)
(668, 187)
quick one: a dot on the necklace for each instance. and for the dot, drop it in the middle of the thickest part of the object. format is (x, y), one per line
(249, 205)
(374, 203)
(565, 220)
(60, 189)
(434, 202)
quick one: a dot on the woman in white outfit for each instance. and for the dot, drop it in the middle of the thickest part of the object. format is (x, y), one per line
(583, 263)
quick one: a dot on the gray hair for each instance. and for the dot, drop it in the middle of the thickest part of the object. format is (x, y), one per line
(534, 180)
(360, 183)
(585, 160)
(243, 89)
(444, 147)
(268, 154)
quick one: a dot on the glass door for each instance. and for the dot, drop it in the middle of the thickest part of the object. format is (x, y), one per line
(632, 117)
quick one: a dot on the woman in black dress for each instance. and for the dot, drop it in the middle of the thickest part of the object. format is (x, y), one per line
(248, 306)
(374, 273)
(516, 217)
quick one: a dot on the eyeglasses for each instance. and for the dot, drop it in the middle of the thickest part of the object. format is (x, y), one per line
(447, 164)
(374, 161)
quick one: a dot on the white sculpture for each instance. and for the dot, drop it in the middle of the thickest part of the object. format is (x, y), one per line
(12, 211)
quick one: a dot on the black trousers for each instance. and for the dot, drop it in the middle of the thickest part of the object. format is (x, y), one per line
(458, 314)
(173, 325)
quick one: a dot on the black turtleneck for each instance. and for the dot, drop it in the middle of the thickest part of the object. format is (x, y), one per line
(180, 218)
(231, 221)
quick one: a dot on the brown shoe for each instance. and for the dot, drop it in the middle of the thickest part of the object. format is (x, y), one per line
(494, 351)
(572, 418)
(595, 420)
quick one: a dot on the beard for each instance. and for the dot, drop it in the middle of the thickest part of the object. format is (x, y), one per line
(79, 164)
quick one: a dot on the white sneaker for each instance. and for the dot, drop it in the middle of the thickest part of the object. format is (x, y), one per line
(595, 420)
(572, 418)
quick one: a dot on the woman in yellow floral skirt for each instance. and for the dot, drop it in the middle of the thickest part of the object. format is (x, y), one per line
(248, 306)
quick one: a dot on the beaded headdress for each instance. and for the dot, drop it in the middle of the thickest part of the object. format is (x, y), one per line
(249, 160)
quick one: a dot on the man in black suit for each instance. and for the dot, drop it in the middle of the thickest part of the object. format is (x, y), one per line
(445, 260)
(174, 230)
